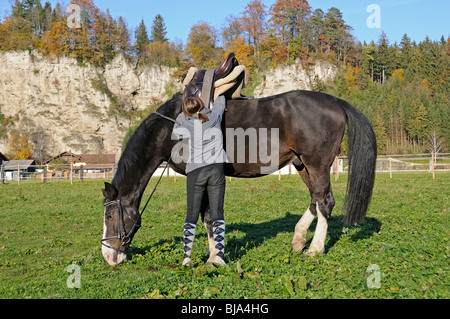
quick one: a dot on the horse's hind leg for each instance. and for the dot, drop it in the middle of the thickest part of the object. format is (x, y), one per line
(324, 201)
(301, 229)
(207, 221)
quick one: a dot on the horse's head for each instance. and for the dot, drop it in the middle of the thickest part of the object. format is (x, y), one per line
(120, 224)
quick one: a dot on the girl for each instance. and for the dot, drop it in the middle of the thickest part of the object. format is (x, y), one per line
(204, 169)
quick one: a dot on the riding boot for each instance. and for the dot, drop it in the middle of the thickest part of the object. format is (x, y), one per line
(219, 240)
(189, 235)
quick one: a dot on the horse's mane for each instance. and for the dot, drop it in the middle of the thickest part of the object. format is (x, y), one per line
(136, 144)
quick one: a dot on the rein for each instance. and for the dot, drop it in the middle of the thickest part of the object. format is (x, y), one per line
(123, 235)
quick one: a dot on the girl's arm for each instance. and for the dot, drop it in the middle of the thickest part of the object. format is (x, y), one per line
(219, 105)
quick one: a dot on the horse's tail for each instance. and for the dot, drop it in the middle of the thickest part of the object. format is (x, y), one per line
(362, 154)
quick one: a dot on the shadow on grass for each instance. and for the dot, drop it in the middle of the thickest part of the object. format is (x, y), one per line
(257, 233)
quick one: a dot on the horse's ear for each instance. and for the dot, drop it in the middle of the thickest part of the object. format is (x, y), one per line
(110, 192)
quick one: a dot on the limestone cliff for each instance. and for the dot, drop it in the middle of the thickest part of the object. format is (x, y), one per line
(60, 105)
(294, 77)
(65, 106)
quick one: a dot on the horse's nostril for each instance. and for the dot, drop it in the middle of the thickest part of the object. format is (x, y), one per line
(109, 259)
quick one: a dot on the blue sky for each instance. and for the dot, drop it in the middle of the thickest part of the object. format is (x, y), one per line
(417, 18)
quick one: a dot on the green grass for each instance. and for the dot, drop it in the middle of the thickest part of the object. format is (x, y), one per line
(46, 228)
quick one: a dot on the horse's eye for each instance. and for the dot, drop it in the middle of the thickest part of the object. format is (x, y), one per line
(108, 217)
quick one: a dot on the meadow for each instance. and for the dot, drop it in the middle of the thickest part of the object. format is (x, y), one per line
(44, 229)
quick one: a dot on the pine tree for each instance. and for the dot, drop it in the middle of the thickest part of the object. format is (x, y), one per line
(288, 22)
(158, 33)
(142, 39)
(123, 40)
(405, 49)
(317, 24)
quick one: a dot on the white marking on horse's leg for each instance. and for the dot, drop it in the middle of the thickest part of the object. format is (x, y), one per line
(318, 242)
(211, 242)
(299, 240)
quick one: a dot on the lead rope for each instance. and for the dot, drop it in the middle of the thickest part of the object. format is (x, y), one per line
(164, 170)
(154, 188)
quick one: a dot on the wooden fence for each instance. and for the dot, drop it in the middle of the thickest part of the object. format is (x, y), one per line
(390, 164)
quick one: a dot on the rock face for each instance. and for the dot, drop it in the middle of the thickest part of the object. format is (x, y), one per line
(60, 105)
(66, 106)
(294, 77)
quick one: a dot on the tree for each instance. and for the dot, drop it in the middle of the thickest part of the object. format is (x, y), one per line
(380, 133)
(19, 148)
(417, 123)
(253, 21)
(405, 51)
(435, 143)
(158, 33)
(201, 46)
(385, 59)
(232, 30)
(142, 39)
(316, 23)
(123, 37)
(337, 34)
(288, 22)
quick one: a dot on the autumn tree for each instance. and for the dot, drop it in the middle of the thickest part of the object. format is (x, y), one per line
(19, 148)
(201, 46)
(232, 30)
(253, 21)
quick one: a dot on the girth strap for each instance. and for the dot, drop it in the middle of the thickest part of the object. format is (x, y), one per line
(208, 82)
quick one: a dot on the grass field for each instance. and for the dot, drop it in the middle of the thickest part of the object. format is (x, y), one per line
(46, 228)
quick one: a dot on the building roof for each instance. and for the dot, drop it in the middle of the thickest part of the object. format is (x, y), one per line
(3, 158)
(24, 164)
(86, 158)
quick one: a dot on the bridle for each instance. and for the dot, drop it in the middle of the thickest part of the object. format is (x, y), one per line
(122, 234)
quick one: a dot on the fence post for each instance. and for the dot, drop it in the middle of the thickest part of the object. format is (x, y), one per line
(45, 173)
(81, 173)
(71, 173)
(432, 163)
(336, 168)
(2, 174)
(18, 174)
(390, 167)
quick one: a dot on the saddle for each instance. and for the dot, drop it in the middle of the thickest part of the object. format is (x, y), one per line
(228, 79)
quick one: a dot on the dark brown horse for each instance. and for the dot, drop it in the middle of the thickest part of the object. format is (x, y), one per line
(300, 127)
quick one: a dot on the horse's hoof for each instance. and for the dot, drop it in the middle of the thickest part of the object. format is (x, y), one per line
(216, 262)
(312, 252)
(298, 244)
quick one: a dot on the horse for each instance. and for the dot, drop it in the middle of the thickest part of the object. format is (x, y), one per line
(307, 129)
